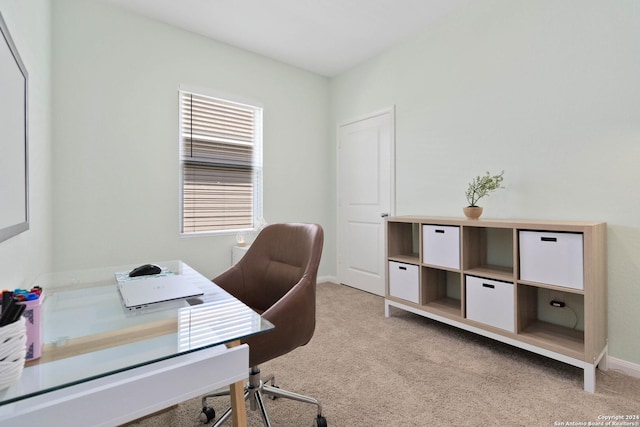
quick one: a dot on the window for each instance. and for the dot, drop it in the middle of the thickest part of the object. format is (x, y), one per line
(221, 164)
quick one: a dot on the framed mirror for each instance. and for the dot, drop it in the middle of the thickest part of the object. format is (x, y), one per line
(14, 172)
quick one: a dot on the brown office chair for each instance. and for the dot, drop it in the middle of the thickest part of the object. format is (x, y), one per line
(277, 278)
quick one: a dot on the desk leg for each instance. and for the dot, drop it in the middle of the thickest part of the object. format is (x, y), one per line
(238, 407)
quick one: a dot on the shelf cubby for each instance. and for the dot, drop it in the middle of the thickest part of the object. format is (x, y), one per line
(488, 252)
(555, 326)
(403, 242)
(441, 291)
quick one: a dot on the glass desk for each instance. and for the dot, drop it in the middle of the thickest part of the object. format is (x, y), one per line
(96, 350)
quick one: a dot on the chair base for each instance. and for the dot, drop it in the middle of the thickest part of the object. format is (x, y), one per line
(254, 393)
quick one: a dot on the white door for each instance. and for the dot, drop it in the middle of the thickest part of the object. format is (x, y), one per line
(365, 197)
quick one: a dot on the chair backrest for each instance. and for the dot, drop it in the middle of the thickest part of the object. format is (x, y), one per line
(280, 256)
(277, 278)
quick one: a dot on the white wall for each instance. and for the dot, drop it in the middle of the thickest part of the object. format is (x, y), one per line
(27, 255)
(115, 111)
(546, 90)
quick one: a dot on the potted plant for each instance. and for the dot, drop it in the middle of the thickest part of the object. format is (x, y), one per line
(480, 187)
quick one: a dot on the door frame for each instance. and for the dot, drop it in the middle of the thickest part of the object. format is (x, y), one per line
(392, 178)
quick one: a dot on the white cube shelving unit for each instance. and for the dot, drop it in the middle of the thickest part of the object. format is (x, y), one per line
(497, 278)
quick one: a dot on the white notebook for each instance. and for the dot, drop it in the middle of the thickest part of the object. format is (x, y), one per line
(144, 291)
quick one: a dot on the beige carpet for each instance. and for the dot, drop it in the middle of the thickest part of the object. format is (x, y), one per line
(368, 370)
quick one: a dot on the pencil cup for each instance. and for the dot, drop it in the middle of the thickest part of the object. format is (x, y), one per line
(32, 313)
(13, 349)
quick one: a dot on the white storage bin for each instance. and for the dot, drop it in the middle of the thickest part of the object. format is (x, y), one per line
(552, 258)
(404, 281)
(441, 246)
(490, 302)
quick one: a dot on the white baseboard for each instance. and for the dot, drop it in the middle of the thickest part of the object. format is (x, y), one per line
(331, 279)
(628, 368)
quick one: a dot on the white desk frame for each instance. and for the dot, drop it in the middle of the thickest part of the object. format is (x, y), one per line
(129, 395)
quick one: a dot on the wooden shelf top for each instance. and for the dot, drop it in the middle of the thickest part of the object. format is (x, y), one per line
(548, 225)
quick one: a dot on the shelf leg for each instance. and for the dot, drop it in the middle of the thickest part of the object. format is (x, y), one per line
(590, 378)
(603, 363)
(387, 309)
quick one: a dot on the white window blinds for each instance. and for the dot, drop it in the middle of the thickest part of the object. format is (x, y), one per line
(220, 163)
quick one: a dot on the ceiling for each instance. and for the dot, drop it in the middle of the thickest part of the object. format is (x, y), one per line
(323, 36)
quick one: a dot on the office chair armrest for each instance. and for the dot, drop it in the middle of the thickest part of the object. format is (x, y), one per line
(294, 319)
(294, 313)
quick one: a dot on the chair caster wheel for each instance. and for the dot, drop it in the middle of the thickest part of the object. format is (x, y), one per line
(320, 421)
(207, 415)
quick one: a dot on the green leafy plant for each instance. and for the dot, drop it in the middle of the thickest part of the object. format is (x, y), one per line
(482, 186)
